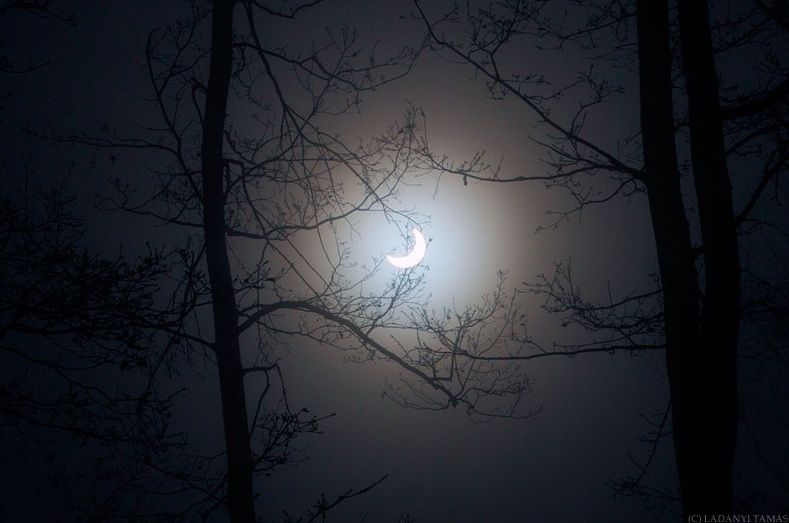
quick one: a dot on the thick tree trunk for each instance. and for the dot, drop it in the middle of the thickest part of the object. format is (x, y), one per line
(672, 236)
(715, 363)
(240, 501)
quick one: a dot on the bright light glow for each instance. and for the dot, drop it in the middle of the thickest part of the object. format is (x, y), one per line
(415, 256)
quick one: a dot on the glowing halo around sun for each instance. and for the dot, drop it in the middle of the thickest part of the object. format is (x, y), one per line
(415, 256)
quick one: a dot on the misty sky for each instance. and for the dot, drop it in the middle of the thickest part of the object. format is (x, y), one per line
(441, 466)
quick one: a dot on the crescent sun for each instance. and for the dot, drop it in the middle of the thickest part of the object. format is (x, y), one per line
(415, 256)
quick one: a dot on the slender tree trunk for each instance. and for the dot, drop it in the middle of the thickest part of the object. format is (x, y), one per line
(715, 364)
(672, 236)
(240, 501)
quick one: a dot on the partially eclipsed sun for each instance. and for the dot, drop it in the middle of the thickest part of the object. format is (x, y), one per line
(415, 256)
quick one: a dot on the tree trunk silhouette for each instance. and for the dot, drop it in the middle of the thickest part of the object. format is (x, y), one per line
(670, 226)
(225, 314)
(713, 365)
(701, 313)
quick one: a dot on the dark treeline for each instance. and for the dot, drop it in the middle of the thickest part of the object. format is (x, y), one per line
(248, 199)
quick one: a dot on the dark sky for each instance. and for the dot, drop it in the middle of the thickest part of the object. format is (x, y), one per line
(441, 466)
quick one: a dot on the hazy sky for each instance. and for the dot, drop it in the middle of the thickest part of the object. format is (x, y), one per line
(441, 466)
